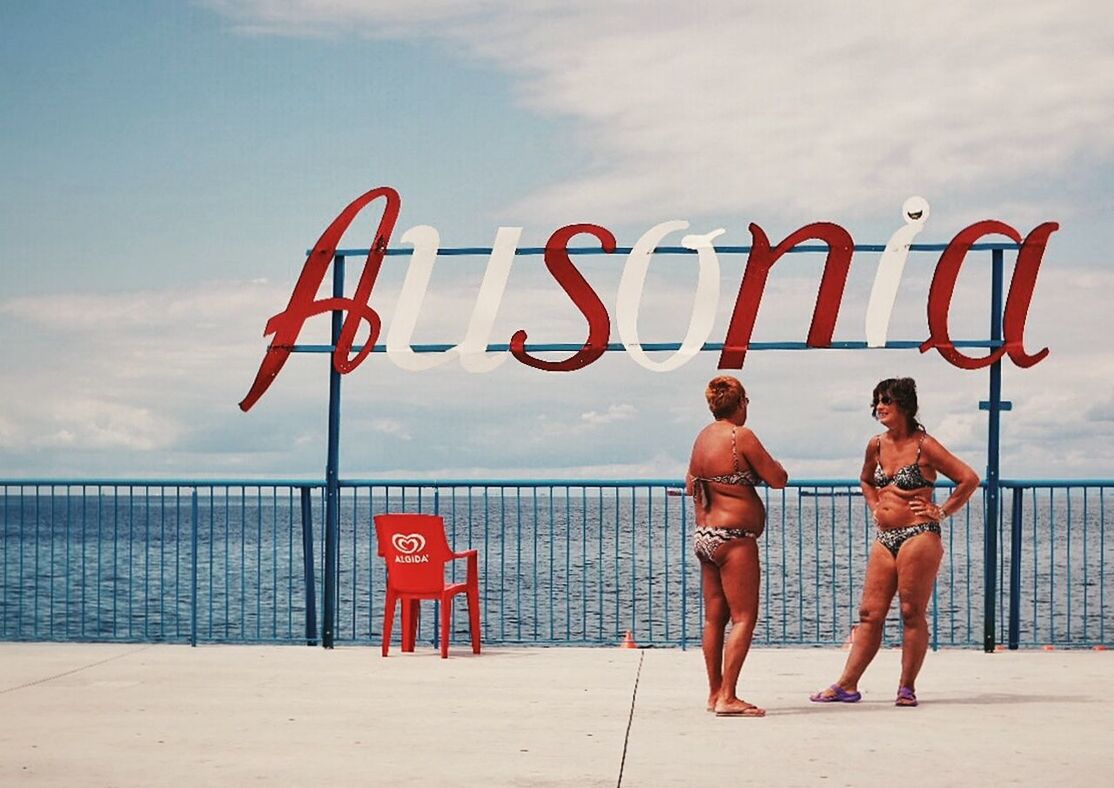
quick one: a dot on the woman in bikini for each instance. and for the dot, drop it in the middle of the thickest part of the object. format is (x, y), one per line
(727, 462)
(899, 471)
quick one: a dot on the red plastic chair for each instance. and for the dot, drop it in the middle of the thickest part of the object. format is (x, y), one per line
(416, 551)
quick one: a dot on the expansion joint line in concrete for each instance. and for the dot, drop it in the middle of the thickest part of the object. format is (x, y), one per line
(74, 670)
(630, 719)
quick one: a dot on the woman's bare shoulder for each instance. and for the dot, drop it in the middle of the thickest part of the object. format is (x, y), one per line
(929, 442)
(704, 437)
(932, 447)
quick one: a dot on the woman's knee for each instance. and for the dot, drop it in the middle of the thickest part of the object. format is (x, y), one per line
(716, 614)
(716, 619)
(871, 616)
(746, 620)
(912, 614)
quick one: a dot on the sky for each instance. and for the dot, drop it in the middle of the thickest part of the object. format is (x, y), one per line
(167, 165)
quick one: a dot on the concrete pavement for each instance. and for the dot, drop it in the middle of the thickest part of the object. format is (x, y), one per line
(141, 715)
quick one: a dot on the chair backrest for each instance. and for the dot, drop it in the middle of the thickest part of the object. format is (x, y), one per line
(415, 550)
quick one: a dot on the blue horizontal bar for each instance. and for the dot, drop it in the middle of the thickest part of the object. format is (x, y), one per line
(575, 482)
(550, 482)
(69, 482)
(902, 344)
(1003, 405)
(570, 482)
(537, 251)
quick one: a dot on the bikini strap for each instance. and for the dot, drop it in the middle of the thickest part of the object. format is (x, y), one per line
(734, 454)
(879, 439)
(920, 443)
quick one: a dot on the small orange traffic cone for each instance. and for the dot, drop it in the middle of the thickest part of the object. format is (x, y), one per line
(628, 641)
(1099, 647)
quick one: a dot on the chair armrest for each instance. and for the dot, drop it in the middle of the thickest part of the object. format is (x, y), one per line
(473, 562)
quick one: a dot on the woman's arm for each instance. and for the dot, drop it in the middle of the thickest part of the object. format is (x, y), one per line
(691, 474)
(965, 478)
(866, 477)
(769, 469)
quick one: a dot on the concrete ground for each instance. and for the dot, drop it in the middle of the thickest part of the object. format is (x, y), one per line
(143, 715)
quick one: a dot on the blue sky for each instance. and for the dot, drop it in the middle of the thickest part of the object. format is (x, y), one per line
(166, 165)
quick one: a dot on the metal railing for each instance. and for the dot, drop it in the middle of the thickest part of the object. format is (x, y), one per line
(1053, 577)
(561, 562)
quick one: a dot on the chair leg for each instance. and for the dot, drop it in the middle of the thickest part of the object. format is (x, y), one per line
(411, 615)
(446, 625)
(474, 618)
(388, 620)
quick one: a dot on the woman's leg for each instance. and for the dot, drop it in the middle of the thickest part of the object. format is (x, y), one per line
(878, 593)
(715, 619)
(740, 575)
(918, 561)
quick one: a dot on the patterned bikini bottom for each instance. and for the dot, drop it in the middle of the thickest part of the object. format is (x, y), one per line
(708, 540)
(893, 538)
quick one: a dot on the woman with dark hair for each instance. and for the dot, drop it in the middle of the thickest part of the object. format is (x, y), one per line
(899, 471)
(727, 462)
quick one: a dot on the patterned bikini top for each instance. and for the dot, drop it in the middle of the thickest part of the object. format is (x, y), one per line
(907, 478)
(747, 478)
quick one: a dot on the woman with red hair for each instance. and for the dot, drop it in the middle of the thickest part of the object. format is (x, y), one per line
(727, 462)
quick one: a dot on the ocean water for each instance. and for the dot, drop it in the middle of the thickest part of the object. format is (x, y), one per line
(563, 565)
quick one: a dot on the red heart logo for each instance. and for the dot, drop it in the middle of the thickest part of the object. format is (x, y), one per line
(407, 544)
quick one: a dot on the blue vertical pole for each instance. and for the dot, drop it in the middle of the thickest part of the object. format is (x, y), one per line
(1015, 569)
(193, 568)
(332, 479)
(993, 503)
(307, 562)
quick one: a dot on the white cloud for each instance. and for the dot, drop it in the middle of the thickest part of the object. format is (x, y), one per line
(167, 366)
(392, 427)
(811, 107)
(614, 413)
(97, 424)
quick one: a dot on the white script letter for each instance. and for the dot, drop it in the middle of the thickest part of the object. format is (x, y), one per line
(890, 268)
(631, 285)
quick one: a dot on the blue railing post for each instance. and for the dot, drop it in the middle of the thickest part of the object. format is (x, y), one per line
(193, 568)
(994, 406)
(684, 574)
(307, 558)
(1015, 568)
(332, 479)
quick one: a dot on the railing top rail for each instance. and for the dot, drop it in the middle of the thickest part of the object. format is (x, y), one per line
(485, 482)
(535, 251)
(496, 347)
(133, 482)
(575, 482)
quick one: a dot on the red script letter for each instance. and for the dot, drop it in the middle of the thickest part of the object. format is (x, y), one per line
(759, 262)
(287, 324)
(599, 324)
(1017, 302)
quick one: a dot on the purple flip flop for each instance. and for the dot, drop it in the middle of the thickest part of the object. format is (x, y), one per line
(840, 696)
(905, 697)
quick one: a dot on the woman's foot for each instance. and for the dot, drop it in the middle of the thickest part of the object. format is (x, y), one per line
(906, 697)
(738, 708)
(836, 694)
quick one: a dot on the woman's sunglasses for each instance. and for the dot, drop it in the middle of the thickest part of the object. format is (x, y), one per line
(885, 399)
